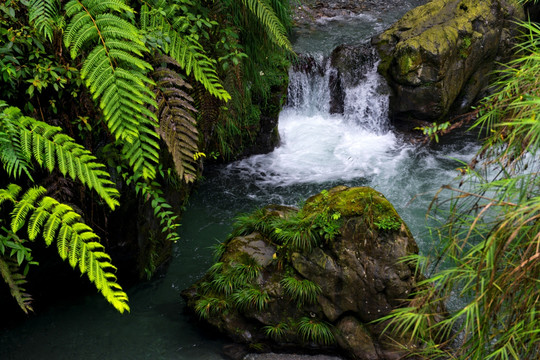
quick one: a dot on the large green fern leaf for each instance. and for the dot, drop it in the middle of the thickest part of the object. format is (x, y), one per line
(26, 138)
(76, 241)
(115, 73)
(266, 15)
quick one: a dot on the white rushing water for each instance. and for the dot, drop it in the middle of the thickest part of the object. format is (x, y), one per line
(319, 147)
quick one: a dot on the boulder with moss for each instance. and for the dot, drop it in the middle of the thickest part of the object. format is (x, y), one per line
(437, 58)
(312, 279)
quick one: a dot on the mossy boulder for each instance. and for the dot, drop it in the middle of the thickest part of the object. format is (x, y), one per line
(313, 278)
(438, 56)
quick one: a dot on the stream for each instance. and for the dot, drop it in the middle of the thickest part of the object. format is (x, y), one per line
(317, 151)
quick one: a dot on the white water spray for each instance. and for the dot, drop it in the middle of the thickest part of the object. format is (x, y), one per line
(317, 146)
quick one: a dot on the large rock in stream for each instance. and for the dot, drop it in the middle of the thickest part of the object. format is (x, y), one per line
(312, 279)
(437, 58)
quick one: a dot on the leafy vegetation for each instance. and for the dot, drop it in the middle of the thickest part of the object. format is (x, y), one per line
(302, 291)
(488, 258)
(317, 331)
(129, 95)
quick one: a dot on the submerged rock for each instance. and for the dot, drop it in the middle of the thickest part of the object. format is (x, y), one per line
(312, 278)
(438, 56)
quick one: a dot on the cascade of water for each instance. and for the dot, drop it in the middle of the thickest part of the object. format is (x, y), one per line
(317, 146)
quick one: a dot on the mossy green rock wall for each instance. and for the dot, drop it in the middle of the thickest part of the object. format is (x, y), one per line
(438, 56)
(312, 278)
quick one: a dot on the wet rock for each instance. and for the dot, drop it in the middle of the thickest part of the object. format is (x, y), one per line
(331, 267)
(437, 57)
(349, 63)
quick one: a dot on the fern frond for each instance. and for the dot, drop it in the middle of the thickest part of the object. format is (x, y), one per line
(9, 270)
(266, 15)
(24, 206)
(10, 194)
(161, 20)
(42, 14)
(75, 240)
(115, 74)
(29, 139)
(177, 125)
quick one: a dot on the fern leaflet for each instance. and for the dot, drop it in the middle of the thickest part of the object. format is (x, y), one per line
(268, 18)
(15, 280)
(43, 13)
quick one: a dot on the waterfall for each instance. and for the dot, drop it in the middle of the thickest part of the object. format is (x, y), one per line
(318, 146)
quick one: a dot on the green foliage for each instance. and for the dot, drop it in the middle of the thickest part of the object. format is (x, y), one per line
(115, 74)
(250, 297)
(296, 234)
(23, 139)
(489, 259)
(209, 306)
(75, 240)
(277, 332)
(434, 130)
(43, 14)
(164, 23)
(10, 268)
(315, 330)
(302, 291)
(267, 16)
(247, 270)
(163, 211)
(388, 223)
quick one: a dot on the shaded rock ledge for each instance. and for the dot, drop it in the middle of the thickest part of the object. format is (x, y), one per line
(314, 279)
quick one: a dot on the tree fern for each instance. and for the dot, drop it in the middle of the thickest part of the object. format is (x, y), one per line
(75, 240)
(42, 13)
(115, 73)
(266, 15)
(177, 126)
(23, 139)
(162, 21)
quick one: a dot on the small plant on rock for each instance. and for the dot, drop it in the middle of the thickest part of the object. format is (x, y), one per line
(276, 332)
(209, 306)
(315, 330)
(302, 291)
(251, 297)
(388, 223)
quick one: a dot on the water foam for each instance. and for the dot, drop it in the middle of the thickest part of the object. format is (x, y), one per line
(317, 146)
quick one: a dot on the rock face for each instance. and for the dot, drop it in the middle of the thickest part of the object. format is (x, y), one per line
(313, 278)
(350, 63)
(438, 56)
